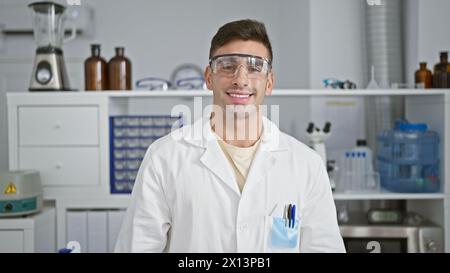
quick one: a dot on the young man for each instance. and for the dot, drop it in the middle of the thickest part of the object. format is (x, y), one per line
(232, 182)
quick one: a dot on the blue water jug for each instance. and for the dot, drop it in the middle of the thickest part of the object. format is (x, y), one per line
(408, 158)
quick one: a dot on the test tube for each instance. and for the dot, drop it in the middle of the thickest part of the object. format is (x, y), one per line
(364, 173)
(346, 172)
(353, 172)
(358, 163)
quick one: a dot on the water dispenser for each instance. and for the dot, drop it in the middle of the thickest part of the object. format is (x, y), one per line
(408, 158)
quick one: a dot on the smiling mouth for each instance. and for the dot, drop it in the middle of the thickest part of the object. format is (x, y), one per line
(239, 96)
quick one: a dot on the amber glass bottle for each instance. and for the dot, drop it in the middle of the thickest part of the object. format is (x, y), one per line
(95, 71)
(423, 75)
(119, 68)
(441, 72)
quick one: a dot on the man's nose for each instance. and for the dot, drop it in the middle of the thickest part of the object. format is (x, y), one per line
(241, 76)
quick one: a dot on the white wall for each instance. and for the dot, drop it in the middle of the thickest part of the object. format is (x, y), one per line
(337, 50)
(293, 52)
(433, 30)
(337, 43)
(427, 33)
(159, 35)
(411, 27)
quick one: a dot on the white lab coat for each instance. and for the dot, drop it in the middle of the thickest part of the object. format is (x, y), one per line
(186, 198)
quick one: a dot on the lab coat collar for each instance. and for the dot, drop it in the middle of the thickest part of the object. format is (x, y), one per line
(200, 134)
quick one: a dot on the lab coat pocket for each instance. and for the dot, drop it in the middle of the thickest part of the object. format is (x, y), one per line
(280, 237)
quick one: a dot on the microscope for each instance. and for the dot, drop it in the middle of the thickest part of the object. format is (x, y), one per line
(317, 139)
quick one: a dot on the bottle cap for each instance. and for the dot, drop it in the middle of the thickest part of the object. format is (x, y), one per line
(95, 48)
(120, 50)
(361, 142)
(420, 127)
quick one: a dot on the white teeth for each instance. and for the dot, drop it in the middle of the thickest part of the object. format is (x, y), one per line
(239, 96)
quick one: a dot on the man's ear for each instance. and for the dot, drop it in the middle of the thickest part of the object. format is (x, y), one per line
(208, 78)
(269, 84)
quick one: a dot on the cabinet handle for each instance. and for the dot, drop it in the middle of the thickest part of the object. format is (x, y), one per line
(58, 125)
(58, 166)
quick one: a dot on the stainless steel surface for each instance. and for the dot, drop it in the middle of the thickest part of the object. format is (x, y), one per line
(384, 46)
(49, 71)
(423, 238)
(59, 79)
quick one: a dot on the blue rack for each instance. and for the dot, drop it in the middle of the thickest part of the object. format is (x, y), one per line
(130, 137)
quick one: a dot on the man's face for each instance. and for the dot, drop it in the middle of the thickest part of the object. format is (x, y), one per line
(240, 89)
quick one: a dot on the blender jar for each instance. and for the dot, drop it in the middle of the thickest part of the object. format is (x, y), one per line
(49, 19)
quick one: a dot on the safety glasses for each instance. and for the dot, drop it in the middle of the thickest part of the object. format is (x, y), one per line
(228, 65)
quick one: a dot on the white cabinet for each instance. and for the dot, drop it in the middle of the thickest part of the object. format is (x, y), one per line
(92, 222)
(57, 126)
(12, 241)
(95, 230)
(59, 135)
(33, 233)
(66, 166)
(65, 135)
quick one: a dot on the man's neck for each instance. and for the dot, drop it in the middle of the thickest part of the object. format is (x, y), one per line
(239, 132)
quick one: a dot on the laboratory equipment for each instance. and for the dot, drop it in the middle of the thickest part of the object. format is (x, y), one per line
(441, 72)
(20, 193)
(342, 213)
(372, 83)
(356, 172)
(333, 83)
(95, 71)
(130, 136)
(187, 77)
(423, 76)
(408, 158)
(49, 71)
(153, 84)
(317, 138)
(385, 216)
(392, 233)
(119, 71)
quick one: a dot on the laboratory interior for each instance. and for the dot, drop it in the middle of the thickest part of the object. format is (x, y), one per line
(86, 87)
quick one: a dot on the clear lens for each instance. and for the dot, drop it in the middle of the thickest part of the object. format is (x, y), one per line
(228, 65)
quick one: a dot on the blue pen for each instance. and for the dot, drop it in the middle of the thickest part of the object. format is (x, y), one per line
(293, 216)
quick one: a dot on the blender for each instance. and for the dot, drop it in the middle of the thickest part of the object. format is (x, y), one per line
(49, 71)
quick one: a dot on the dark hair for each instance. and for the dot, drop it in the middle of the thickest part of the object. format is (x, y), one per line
(247, 30)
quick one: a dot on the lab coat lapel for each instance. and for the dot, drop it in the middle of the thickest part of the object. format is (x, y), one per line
(200, 134)
(215, 160)
(260, 168)
(265, 157)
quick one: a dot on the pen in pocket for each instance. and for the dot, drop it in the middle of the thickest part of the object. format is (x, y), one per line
(293, 216)
(289, 215)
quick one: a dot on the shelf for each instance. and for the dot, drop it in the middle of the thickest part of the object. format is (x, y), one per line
(109, 201)
(387, 196)
(276, 93)
(122, 200)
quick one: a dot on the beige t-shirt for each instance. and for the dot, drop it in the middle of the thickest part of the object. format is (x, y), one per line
(239, 158)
